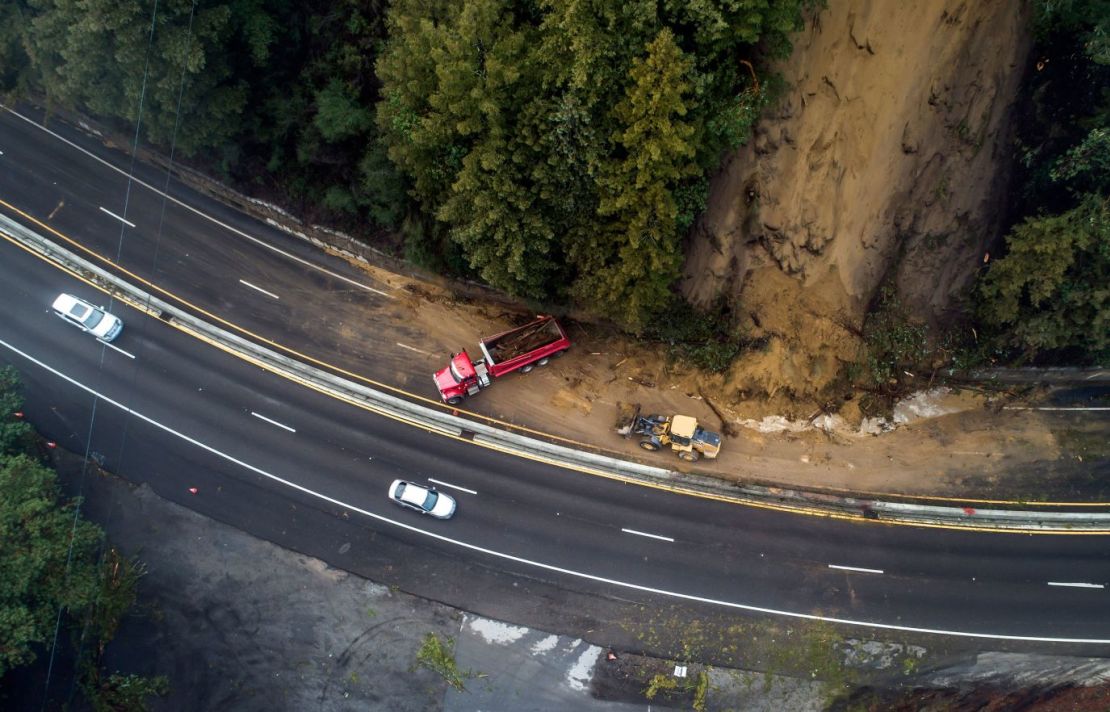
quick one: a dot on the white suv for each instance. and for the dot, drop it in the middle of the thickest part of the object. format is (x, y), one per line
(87, 317)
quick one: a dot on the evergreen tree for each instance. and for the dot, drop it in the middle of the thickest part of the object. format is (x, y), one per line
(627, 272)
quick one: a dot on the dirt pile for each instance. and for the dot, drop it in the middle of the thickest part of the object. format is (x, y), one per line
(887, 158)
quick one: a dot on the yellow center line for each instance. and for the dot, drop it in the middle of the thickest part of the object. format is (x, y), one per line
(675, 489)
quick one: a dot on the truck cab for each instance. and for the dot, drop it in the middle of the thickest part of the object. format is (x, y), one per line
(461, 378)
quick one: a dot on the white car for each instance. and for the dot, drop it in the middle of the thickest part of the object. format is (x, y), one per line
(426, 500)
(87, 317)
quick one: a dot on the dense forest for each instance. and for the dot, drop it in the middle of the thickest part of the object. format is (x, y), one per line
(557, 150)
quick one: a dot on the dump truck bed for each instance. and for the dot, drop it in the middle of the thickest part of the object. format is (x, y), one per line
(522, 340)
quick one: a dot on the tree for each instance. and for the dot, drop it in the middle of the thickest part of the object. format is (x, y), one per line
(132, 59)
(628, 272)
(51, 573)
(15, 433)
(1051, 292)
(38, 573)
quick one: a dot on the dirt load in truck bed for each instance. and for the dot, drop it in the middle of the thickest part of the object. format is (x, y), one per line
(517, 343)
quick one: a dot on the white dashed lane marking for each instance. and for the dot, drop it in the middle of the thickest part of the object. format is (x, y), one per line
(273, 422)
(245, 283)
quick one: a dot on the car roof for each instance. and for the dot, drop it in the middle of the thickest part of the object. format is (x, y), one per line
(414, 493)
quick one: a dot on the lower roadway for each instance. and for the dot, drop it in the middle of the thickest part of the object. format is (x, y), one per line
(262, 451)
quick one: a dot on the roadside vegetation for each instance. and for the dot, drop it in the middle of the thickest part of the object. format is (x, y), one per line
(560, 151)
(557, 151)
(1046, 298)
(439, 657)
(63, 590)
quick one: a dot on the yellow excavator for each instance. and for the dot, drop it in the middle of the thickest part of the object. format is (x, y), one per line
(680, 432)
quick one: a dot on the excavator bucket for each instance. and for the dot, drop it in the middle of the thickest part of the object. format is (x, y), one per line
(627, 419)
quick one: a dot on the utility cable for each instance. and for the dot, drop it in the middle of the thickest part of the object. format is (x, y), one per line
(92, 415)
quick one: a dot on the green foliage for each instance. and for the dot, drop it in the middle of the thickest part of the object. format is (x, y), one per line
(1085, 168)
(892, 343)
(1090, 19)
(660, 682)
(118, 584)
(566, 145)
(563, 145)
(439, 657)
(49, 563)
(1051, 292)
(1046, 296)
(628, 269)
(38, 576)
(15, 434)
(708, 339)
(94, 55)
(126, 693)
(14, 62)
(339, 114)
(701, 691)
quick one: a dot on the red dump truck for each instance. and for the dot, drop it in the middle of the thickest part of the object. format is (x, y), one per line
(520, 349)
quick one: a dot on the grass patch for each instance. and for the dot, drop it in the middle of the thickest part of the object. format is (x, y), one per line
(439, 657)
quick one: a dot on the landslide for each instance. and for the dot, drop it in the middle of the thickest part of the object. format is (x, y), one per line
(885, 162)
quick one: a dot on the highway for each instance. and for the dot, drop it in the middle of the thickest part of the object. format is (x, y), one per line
(174, 412)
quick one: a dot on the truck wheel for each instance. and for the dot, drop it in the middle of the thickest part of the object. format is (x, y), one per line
(557, 354)
(455, 400)
(528, 368)
(543, 361)
(688, 456)
(649, 445)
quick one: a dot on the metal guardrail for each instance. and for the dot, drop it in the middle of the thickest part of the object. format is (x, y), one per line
(812, 503)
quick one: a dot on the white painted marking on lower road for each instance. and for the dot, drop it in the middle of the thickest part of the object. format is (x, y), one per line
(245, 283)
(1023, 407)
(650, 536)
(116, 348)
(1076, 584)
(448, 484)
(539, 564)
(856, 568)
(273, 422)
(117, 217)
(413, 348)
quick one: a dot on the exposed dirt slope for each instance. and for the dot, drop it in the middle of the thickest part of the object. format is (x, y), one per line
(887, 156)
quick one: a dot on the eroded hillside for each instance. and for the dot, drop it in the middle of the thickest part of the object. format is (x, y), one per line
(887, 157)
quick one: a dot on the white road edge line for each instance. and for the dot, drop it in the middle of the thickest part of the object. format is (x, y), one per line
(1076, 584)
(273, 422)
(190, 208)
(413, 348)
(1023, 407)
(116, 348)
(117, 217)
(539, 564)
(448, 484)
(856, 568)
(252, 286)
(649, 536)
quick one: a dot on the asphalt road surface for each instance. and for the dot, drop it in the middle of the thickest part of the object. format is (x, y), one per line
(277, 459)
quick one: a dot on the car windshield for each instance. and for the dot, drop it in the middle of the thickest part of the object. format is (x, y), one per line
(88, 316)
(430, 501)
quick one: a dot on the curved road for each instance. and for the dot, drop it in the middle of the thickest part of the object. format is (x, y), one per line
(177, 413)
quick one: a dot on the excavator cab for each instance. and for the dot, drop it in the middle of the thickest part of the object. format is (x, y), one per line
(682, 437)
